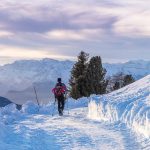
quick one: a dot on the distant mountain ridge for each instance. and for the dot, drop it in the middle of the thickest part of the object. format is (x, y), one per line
(138, 68)
(17, 79)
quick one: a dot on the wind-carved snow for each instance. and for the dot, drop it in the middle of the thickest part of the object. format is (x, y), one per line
(130, 105)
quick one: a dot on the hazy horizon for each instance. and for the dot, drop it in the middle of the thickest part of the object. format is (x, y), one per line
(12, 61)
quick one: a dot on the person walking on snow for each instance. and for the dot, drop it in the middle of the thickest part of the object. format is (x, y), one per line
(59, 92)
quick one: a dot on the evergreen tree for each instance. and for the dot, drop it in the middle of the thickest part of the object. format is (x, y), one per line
(116, 86)
(128, 79)
(95, 74)
(121, 80)
(77, 81)
(118, 80)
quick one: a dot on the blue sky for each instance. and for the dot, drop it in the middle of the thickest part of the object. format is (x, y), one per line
(117, 30)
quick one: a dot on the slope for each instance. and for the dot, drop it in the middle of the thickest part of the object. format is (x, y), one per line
(130, 105)
(107, 123)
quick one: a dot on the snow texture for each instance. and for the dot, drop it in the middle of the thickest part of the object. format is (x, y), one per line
(129, 105)
(35, 128)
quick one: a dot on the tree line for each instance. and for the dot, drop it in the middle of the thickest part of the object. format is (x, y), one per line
(89, 77)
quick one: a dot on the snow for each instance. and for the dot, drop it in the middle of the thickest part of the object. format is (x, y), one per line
(138, 68)
(9, 113)
(119, 121)
(74, 131)
(129, 105)
(30, 108)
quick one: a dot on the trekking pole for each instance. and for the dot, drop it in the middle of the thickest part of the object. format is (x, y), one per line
(36, 96)
(68, 106)
(67, 103)
(54, 108)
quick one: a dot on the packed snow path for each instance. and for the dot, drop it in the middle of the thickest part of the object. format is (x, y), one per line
(71, 131)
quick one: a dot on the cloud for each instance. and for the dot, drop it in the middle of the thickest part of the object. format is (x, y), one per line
(5, 34)
(85, 34)
(40, 28)
(76, 15)
(42, 19)
(22, 53)
(134, 25)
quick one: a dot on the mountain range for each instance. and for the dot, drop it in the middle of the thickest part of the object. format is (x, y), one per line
(17, 80)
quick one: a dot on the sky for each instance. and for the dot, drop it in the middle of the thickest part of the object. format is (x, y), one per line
(117, 30)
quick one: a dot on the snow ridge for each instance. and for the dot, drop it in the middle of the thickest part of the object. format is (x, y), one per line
(130, 105)
(138, 68)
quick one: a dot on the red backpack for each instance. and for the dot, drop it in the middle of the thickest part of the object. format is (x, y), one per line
(59, 90)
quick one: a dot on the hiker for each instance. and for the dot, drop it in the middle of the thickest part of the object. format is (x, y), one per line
(59, 92)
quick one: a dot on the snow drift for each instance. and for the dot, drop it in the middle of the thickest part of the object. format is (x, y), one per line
(130, 105)
(10, 113)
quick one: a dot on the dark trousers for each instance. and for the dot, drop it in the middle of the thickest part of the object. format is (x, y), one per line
(61, 103)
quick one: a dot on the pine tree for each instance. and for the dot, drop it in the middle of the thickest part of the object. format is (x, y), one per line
(95, 74)
(116, 85)
(128, 79)
(118, 80)
(121, 80)
(77, 81)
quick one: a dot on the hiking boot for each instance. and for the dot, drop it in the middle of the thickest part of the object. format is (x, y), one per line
(60, 113)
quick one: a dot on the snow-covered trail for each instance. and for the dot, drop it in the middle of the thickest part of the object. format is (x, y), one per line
(71, 131)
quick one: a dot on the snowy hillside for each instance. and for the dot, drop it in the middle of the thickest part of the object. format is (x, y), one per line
(17, 79)
(130, 105)
(117, 121)
(24, 73)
